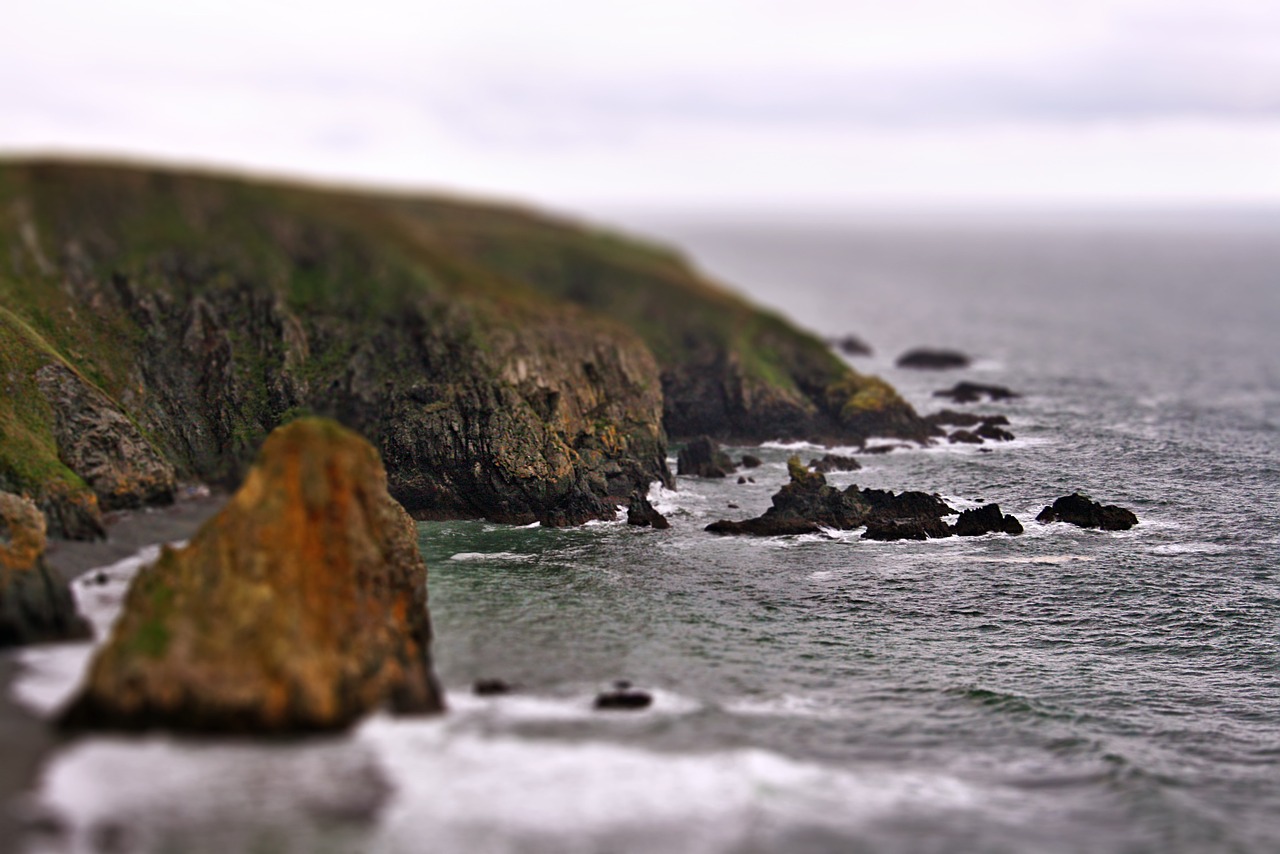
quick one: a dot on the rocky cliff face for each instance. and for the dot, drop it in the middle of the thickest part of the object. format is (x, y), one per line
(301, 606)
(156, 326)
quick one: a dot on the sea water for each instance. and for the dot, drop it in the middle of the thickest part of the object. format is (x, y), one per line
(1064, 690)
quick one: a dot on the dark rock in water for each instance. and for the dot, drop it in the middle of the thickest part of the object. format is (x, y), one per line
(751, 462)
(927, 359)
(967, 392)
(733, 507)
(742, 479)
(491, 687)
(965, 437)
(623, 699)
(906, 529)
(642, 514)
(851, 345)
(881, 449)
(751, 480)
(301, 606)
(994, 433)
(808, 503)
(35, 606)
(986, 520)
(834, 462)
(1080, 510)
(964, 419)
(703, 458)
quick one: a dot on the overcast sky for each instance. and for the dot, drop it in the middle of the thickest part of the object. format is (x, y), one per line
(737, 104)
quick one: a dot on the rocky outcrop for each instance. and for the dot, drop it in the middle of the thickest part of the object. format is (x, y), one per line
(301, 606)
(834, 462)
(936, 360)
(643, 515)
(986, 520)
(964, 419)
(967, 392)
(35, 605)
(807, 503)
(703, 458)
(100, 444)
(1080, 510)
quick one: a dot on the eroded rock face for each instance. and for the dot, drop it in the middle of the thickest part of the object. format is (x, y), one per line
(97, 442)
(1080, 510)
(35, 606)
(301, 606)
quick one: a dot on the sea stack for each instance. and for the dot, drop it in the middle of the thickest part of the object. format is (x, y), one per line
(300, 607)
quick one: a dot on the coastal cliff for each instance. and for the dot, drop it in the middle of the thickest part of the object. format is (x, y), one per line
(155, 326)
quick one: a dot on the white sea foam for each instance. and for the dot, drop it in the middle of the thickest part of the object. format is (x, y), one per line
(471, 557)
(1189, 548)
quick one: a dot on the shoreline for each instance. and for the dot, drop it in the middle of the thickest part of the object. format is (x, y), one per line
(27, 740)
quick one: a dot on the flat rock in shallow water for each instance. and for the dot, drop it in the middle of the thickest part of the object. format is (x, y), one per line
(967, 392)
(926, 359)
(1080, 510)
(301, 606)
(834, 462)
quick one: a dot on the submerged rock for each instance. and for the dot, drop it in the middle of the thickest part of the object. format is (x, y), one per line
(965, 437)
(642, 514)
(492, 687)
(927, 359)
(301, 606)
(967, 392)
(749, 461)
(35, 605)
(964, 419)
(623, 697)
(986, 520)
(1080, 510)
(851, 345)
(703, 458)
(834, 462)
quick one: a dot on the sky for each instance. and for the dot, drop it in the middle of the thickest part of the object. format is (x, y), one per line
(735, 105)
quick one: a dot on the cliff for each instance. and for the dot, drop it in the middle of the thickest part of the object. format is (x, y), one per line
(155, 326)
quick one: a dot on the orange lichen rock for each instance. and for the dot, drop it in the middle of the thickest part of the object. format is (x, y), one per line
(301, 606)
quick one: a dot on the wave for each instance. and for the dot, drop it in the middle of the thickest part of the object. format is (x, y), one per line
(472, 557)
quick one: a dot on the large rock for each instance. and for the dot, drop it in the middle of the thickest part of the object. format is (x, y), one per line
(35, 605)
(301, 606)
(986, 520)
(1080, 510)
(703, 458)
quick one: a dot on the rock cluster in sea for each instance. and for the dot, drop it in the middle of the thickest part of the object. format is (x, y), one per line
(302, 605)
(702, 457)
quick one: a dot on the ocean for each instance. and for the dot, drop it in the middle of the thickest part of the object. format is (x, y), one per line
(1065, 690)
